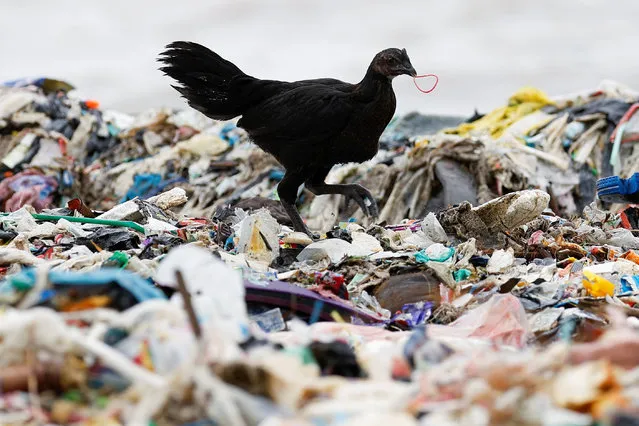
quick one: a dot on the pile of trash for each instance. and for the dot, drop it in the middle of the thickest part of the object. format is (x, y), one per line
(55, 148)
(148, 274)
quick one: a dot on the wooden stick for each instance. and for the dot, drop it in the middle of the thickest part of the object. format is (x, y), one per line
(186, 296)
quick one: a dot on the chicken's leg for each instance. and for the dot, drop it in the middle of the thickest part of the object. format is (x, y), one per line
(287, 191)
(361, 195)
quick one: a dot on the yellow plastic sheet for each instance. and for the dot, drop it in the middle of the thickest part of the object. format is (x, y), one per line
(597, 286)
(523, 102)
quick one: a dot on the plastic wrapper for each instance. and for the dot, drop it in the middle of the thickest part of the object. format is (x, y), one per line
(501, 319)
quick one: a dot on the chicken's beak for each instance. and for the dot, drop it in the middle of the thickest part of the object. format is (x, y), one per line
(410, 71)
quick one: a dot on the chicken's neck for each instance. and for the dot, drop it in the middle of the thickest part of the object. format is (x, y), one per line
(373, 84)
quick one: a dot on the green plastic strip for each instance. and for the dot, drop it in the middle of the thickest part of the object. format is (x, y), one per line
(117, 223)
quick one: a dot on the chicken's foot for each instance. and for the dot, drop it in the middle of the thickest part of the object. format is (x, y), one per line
(361, 195)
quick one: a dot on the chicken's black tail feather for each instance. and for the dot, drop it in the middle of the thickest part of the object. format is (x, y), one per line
(205, 79)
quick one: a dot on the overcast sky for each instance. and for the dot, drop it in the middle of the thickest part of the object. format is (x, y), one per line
(482, 50)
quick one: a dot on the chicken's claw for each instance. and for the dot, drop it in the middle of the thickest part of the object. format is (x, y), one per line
(364, 199)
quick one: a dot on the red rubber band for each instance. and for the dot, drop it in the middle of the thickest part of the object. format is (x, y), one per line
(422, 76)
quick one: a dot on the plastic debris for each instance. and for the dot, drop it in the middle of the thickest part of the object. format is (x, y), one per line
(217, 291)
(500, 261)
(597, 286)
(258, 237)
(333, 249)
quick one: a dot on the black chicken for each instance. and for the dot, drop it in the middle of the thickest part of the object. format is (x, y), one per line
(308, 126)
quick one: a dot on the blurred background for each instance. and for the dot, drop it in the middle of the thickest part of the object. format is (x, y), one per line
(482, 50)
